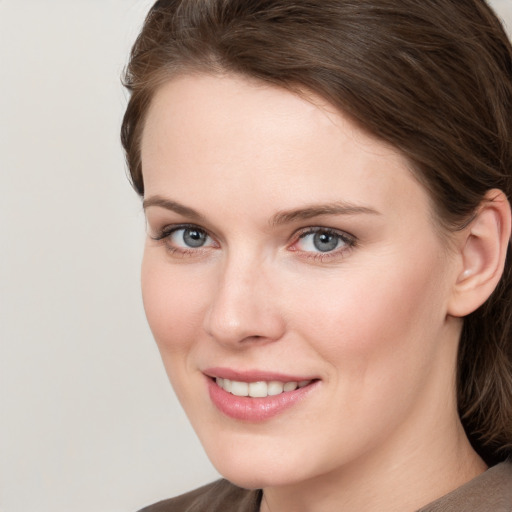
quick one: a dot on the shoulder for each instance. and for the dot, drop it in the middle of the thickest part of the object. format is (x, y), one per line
(215, 497)
(489, 492)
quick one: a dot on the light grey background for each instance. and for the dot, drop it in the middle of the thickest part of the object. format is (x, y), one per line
(88, 421)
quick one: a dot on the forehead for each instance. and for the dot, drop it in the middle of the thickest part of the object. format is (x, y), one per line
(236, 106)
(221, 134)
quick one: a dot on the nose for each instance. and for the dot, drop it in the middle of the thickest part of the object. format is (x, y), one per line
(244, 309)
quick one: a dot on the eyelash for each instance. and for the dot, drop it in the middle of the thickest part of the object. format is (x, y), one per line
(347, 239)
(165, 233)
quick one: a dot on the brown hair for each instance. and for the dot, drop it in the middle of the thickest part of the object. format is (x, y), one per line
(431, 77)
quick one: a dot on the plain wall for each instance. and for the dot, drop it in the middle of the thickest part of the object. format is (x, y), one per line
(88, 421)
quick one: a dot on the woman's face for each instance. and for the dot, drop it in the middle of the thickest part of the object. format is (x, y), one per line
(287, 246)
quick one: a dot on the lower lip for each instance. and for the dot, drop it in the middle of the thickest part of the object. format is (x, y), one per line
(255, 409)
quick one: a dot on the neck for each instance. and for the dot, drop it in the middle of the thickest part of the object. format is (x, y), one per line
(383, 484)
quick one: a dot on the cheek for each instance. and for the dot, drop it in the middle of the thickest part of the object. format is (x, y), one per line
(375, 322)
(172, 302)
(378, 333)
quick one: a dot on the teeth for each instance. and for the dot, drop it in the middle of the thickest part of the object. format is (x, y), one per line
(259, 389)
(290, 386)
(227, 385)
(239, 388)
(275, 388)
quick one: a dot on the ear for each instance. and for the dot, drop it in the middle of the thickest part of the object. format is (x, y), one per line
(483, 249)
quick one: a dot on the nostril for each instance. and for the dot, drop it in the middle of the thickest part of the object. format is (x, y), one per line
(240, 315)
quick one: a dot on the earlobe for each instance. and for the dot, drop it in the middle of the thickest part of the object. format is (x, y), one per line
(482, 254)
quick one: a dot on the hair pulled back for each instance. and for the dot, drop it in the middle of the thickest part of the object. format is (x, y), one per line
(431, 77)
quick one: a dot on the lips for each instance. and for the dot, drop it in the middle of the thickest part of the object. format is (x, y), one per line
(256, 396)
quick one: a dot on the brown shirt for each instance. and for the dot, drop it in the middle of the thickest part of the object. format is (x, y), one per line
(489, 492)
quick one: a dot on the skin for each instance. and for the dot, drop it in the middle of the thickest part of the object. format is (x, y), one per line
(369, 319)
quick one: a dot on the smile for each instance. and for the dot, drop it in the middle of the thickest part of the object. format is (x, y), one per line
(259, 389)
(256, 396)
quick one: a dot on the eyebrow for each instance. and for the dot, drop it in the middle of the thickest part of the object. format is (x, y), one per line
(282, 217)
(173, 206)
(316, 210)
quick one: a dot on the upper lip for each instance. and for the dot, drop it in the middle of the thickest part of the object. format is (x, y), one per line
(254, 375)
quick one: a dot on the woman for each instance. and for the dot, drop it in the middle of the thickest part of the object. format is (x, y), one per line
(326, 185)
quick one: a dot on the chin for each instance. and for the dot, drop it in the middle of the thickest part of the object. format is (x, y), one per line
(246, 464)
(244, 474)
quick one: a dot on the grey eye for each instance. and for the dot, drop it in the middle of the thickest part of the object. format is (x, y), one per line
(186, 239)
(319, 240)
(193, 237)
(325, 242)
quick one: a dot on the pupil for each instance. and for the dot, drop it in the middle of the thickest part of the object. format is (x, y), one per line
(325, 241)
(194, 237)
